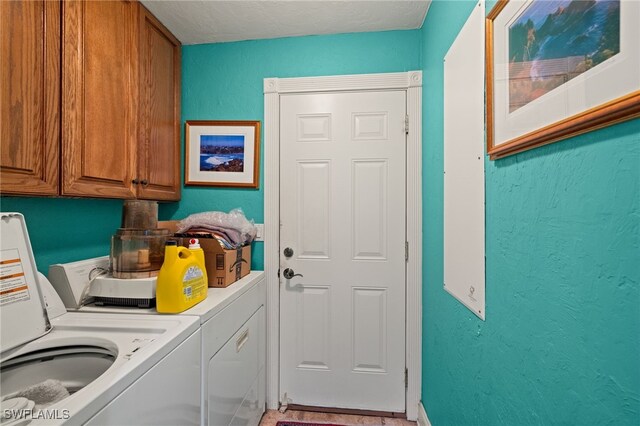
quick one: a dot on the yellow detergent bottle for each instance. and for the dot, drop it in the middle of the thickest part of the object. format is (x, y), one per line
(182, 280)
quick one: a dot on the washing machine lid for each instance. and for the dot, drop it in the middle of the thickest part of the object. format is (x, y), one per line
(23, 316)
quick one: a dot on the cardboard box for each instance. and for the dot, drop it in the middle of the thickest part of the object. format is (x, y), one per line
(224, 267)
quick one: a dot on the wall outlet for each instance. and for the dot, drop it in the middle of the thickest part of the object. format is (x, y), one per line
(260, 233)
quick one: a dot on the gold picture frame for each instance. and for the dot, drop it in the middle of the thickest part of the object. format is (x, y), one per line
(222, 153)
(580, 81)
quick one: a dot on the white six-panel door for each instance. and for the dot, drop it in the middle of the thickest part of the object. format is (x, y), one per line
(342, 210)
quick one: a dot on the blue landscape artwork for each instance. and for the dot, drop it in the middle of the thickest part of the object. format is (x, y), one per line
(222, 153)
(554, 41)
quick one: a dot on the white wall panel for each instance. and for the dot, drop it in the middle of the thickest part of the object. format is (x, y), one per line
(464, 266)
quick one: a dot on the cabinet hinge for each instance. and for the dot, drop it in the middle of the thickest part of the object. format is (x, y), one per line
(406, 251)
(406, 124)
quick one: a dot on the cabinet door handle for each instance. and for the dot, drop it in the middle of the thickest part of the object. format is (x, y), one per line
(242, 340)
(144, 182)
(135, 181)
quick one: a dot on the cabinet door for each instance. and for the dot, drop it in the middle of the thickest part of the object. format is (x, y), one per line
(29, 97)
(159, 143)
(99, 98)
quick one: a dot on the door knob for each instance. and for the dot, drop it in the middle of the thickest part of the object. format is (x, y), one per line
(288, 252)
(290, 273)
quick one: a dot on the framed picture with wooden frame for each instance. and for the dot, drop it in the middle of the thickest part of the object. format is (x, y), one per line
(559, 69)
(222, 153)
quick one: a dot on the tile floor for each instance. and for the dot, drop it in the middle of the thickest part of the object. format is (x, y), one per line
(271, 417)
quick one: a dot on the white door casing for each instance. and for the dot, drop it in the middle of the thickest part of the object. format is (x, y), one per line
(342, 212)
(274, 88)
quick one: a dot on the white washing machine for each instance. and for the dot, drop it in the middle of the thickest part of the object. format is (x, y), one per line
(84, 368)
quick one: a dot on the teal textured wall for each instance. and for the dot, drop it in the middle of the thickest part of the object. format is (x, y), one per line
(224, 81)
(219, 82)
(65, 230)
(561, 342)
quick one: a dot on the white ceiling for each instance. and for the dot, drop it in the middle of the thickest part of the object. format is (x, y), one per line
(213, 21)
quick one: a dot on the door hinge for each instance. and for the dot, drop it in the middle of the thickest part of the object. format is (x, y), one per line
(406, 378)
(406, 124)
(406, 251)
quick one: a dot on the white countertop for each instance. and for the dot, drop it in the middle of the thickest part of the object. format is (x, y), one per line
(217, 299)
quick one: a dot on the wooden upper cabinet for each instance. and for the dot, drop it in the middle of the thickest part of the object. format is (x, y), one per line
(159, 119)
(90, 96)
(29, 97)
(99, 98)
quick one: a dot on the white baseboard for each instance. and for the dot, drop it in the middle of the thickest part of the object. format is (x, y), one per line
(423, 419)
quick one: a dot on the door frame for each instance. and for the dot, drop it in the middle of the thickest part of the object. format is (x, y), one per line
(410, 81)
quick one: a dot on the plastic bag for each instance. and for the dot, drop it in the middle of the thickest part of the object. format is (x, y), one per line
(234, 220)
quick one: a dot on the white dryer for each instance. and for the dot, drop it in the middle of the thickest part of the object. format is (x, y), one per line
(76, 368)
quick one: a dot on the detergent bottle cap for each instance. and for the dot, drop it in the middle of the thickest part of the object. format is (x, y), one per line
(194, 243)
